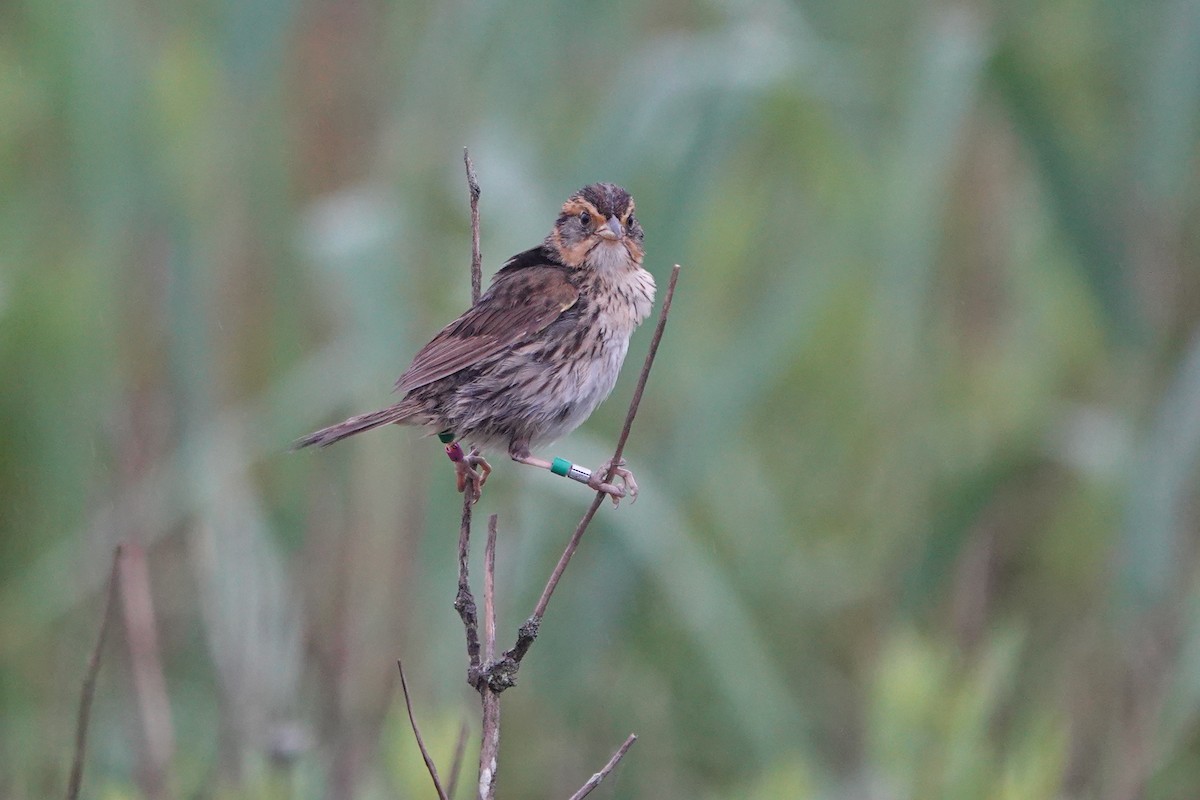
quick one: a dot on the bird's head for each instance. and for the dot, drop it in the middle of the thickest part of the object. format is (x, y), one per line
(597, 229)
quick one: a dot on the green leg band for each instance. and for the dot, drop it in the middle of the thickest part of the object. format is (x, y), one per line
(560, 466)
(446, 437)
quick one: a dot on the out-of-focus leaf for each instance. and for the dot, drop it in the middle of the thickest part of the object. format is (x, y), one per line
(1162, 480)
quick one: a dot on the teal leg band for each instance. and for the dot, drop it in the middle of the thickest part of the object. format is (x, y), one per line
(446, 437)
(560, 466)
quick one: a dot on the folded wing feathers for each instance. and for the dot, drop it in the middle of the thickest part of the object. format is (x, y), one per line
(503, 318)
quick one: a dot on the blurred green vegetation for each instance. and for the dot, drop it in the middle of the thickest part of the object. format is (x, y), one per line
(919, 456)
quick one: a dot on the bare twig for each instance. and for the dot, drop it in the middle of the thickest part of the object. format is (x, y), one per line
(476, 256)
(540, 609)
(89, 682)
(429, 765)
(464, 602)
(594, 781)
(489, 592)
(502, 673)
(543, 601)
(489, 748)
(460, 751)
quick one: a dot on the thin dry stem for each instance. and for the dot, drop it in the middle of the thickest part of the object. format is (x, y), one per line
(502, 673)
(476, 255)
(594, 781)
(489, 592)
(429, 765)
(89, 681)
(489, 749)
(464, 602)
(540, 609)
(460, 752)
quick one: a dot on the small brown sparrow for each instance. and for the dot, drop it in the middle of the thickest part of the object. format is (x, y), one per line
(537, 354)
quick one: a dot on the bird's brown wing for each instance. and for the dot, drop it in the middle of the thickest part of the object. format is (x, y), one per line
(516, 306)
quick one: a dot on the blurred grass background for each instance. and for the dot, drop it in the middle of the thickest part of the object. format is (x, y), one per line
(919, 456)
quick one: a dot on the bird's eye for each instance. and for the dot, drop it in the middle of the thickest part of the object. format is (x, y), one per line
(585, 217)
(632, 221)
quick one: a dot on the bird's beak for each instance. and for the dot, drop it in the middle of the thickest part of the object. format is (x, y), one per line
(612, 229)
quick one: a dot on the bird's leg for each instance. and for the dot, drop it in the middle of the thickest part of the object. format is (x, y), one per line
(465, 472)
(560, 466)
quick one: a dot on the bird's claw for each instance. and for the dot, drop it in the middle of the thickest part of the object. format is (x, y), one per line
(467, 478)
(629, 487)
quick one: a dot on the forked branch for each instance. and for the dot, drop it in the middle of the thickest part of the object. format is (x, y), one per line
(485, 673)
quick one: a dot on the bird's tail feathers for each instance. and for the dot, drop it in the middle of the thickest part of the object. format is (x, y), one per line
(363, 422)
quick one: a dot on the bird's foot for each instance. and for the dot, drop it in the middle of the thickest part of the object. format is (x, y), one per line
(469, 479)
(629, 487)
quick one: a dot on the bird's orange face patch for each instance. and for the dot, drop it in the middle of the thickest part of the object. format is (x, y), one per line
(577, 205)
(576, 239)
(571, 250)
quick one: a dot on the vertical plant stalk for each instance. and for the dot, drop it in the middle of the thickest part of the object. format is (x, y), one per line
(489, 592)
(464, 601)
(489, 749)
(476, 255)
(89, 681)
